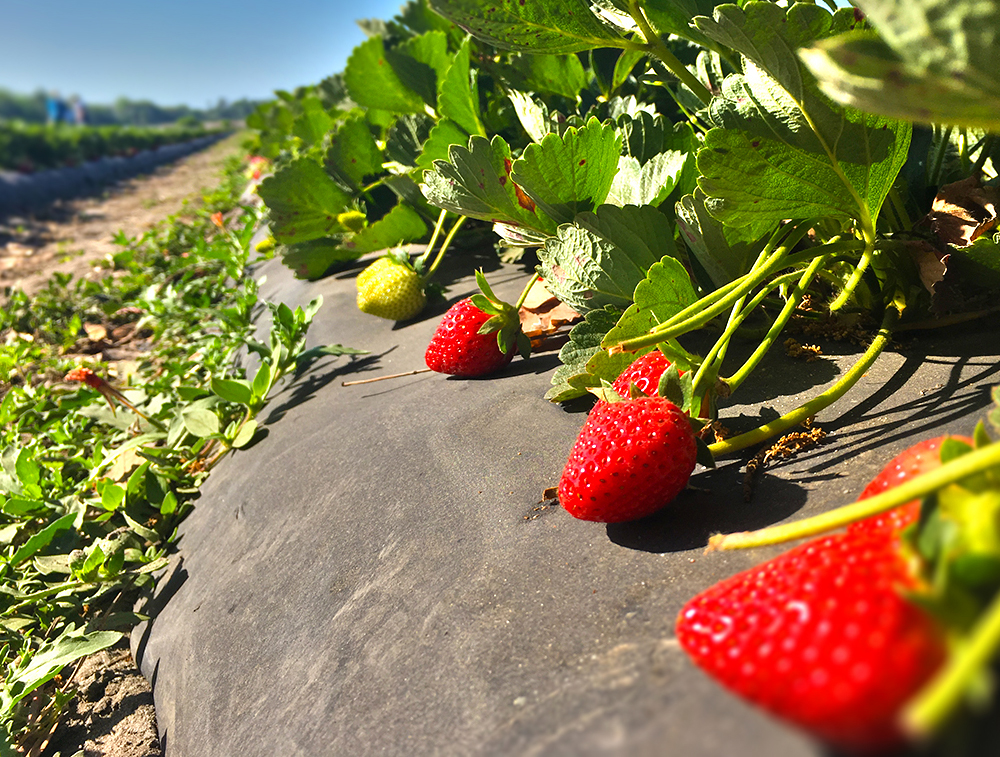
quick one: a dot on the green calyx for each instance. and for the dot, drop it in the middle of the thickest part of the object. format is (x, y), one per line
(505, 321)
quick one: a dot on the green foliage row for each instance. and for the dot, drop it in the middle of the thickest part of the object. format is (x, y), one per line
(92, 492)
(32, 147)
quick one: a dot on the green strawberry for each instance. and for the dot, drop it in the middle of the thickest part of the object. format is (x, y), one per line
(390, 288)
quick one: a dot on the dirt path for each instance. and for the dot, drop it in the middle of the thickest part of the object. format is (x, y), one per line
(73, 235)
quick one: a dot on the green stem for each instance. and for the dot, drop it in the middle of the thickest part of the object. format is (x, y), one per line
(736, 318)
(821, 401)
(434, 236)
(444, 248)
(661, 51)
(900, 207)
(535, 278)
(984, 153)
(779, 324)
(697, 315)
(939, 698)
(859, 271)
(916, 488)
(935, 177)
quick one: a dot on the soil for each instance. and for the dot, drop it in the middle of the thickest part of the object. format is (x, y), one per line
(112, 714)
(74, 236)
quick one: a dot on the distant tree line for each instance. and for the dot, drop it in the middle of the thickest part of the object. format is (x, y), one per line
(125, 112)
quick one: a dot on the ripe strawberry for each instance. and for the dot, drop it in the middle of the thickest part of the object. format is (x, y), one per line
(920, 458)
(390, 288)
(820, 636)
(630, 459)
(459, 349)
(645, 373)
(477, 336)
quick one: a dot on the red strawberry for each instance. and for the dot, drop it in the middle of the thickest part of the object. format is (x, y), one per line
(820, 636)
(468, 340)
(630, 459)
(920, 458)
(644, 373)
(457, 347)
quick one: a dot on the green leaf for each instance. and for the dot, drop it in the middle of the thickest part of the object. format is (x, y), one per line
(353, 153)
(561, 75)
(245, 434)
(458, 99)
(112, 496)
(721, 251)
(675, 16)
(233, 390)
(262, 382)
(399, 225)
(314, 122)
(600, 258)
(797, 150)
(373, 83)
(444, 134)
(28, 472)
(303, 202)
(767, 164)
(313, 259)
(572, 378)
(475, 182)
(650, 183)
(935, 62)
(405, 140)
(200, 421)
(51, 658)
(540, 26)
(43, 538)
(665, 292)
(572, 173)
(533, 114)
(421, 63)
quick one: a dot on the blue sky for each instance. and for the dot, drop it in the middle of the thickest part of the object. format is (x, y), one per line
(186, 51)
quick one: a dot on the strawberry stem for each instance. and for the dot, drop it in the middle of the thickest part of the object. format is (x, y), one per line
(821, 401)
(859, 270)
(916, 488)
(430, 245)
(794, 298)
(444, 247)
(527, 288)
(939, 698)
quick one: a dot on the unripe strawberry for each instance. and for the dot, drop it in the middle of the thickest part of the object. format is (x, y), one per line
(390, 288)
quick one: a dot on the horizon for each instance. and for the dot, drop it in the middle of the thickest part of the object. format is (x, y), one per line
(197, 53)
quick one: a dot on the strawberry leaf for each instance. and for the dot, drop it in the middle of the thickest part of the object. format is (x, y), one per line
(665, 291)
(373, 83)
(934, 63)
(572, 173)
(312, 259)
(421, 63)
(540, 26)
(303, 202)
(602, 257)
(458, 99)
(650, 183)
(442, 136)
(562, 75)
(313, 123)
(572, 378)
(724, 252)
(353, 153)
(781, 149)
(475, 182)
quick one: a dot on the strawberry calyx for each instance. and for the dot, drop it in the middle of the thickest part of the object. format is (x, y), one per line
(504, 321)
